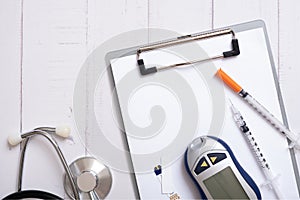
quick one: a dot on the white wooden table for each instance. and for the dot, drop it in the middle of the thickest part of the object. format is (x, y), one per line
(44, 43)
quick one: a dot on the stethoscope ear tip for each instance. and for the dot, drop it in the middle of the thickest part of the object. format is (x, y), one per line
(14, 140)
(63, 131)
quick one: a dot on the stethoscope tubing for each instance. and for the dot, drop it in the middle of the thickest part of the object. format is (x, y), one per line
(29, 194)
(43, 131)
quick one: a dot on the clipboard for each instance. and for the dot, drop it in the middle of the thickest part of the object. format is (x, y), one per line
(142, 84)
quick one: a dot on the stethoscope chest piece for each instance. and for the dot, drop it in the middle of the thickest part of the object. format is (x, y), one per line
(92, 178)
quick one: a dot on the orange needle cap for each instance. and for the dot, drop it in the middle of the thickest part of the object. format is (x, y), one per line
(229, 81)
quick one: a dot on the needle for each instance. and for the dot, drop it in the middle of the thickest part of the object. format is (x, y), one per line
(294, 138)
(270, 178)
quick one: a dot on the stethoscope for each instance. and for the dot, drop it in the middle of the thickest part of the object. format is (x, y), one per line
(82, 177)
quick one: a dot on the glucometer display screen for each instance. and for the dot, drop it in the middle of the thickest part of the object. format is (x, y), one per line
(225, 185)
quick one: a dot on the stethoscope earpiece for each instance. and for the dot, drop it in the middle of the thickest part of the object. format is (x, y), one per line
(14, 140)
(84, 178)
(63, 131)
(46, 132)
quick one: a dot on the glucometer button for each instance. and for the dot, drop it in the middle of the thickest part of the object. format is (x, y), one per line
(216, 157)
(201, 166)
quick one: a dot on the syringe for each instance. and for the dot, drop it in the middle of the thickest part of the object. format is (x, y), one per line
(294, 138)
(256, 150)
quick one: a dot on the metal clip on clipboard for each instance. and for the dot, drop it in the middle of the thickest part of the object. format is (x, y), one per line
(184, 39)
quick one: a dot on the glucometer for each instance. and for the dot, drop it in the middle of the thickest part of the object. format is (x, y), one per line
(216, 171)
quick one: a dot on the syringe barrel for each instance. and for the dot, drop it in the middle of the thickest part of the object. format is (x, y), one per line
(257, 150)
(270, 117)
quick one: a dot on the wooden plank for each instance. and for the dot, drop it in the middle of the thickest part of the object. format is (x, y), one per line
(107, 19)
(289, 70)
(54, 48)
(184, 17)
(10, 101)
(229, 12)
(59, 35)
(289, 62)
(110, 18)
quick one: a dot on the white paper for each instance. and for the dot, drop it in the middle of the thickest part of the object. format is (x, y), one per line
(252, 69)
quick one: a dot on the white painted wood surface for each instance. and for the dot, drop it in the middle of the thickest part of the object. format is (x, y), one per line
(10, 87)
(54, 47)
(44, 43)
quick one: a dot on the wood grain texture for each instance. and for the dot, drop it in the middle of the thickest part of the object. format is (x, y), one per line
(10, 101)
(229, 12)
(42, 52)
(184, 17)
(289, 41)
(107, 19)
(289, 62)
(54, 46)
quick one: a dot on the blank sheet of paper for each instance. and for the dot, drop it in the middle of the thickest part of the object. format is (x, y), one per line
(157, 108)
